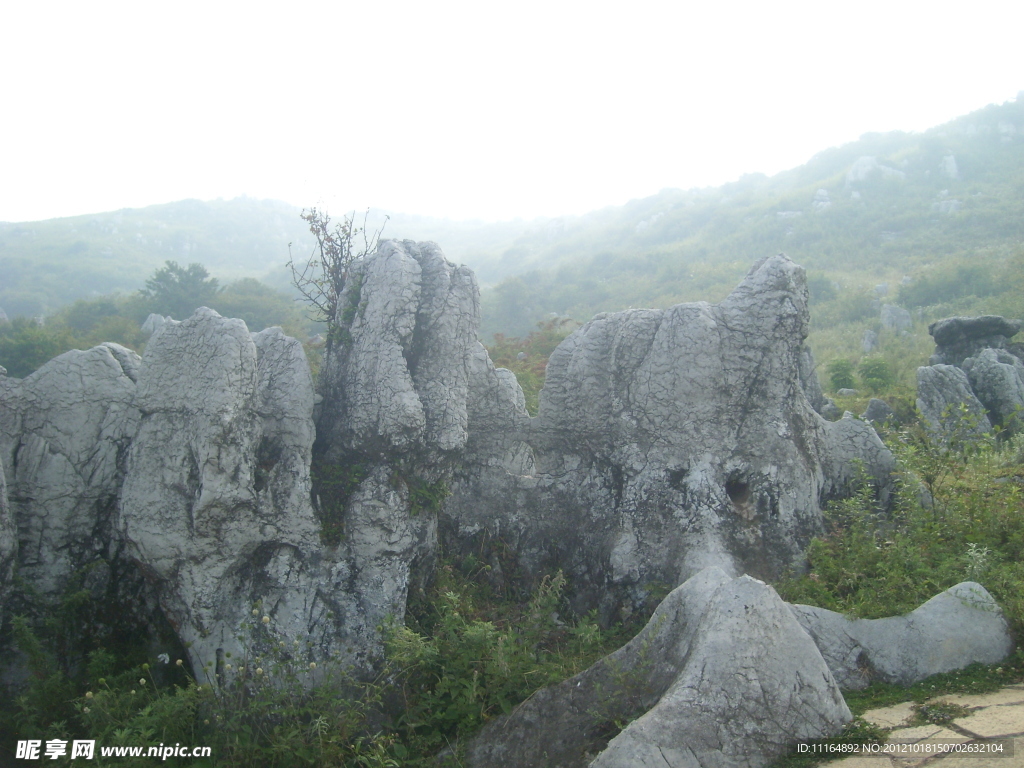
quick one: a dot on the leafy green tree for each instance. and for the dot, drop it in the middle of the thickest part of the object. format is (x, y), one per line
(260, 306)
(840, 374)
(876, 374)
(177, 291)
(25, 344)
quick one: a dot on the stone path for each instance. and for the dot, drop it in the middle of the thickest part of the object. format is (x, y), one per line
(990, 716)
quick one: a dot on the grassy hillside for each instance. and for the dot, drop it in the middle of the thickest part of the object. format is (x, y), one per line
(879, 210)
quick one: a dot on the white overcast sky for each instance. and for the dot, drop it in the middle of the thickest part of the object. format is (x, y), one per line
(466, 110)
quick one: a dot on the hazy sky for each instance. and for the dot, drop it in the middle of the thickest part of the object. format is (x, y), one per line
(466, 110)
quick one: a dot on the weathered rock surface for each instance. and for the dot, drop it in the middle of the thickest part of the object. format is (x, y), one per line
(667, 441)
(878, 412)
(212, 504)
(64, 432)
(958, 627)
(957, 338)
(153, 323)
(942, 390)
(822, 405)
(997, 379)
(8, 544)
(722, 674)
(397, 378)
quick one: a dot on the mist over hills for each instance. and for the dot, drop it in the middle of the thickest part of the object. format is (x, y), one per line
(875, 210)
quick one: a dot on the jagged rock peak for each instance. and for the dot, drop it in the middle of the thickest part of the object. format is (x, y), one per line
(397, 370)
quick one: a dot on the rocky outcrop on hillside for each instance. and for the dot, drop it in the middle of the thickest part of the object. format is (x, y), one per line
(667, 441)
(976, 377)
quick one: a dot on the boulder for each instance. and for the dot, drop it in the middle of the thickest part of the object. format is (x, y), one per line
(957, 338)
(878, 412)
(896, 319)
(942, 391)
(869, 341)
(997, 380)
(721, 675)
(960, 626)
(153, 323)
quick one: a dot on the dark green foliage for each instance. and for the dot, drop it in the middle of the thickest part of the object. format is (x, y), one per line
(876, 374)
(821, 288)
(177, 291)
(333, 486)
(25, 344)
(260, 306)
(466, 657)
(426, 497)
(948, 283)
(278, 710)
(970, 525)
(840, 374)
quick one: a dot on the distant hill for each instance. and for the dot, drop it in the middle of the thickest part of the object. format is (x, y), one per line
(47, 264)
(886, 208)
(896, 208)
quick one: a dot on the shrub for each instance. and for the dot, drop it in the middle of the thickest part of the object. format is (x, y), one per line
(840, 374)
(876, 374)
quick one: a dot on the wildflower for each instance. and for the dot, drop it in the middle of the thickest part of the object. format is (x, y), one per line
(86, 710)
(133, 691)
(283, 643)
(206, 722)
(88, 694)
(179, 662)
(266, 619)
(142, 681)
(255, 611)
(227, 666)
(259, 670)
(312, 665)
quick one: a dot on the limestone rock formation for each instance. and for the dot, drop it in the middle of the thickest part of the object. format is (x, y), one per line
(974, 365)
(8, 544)
(721, 675)
(667, 441)
(64, 431)
(997, 379)
(957, 338)
(398, 378)
(941, 391)
(955, 628)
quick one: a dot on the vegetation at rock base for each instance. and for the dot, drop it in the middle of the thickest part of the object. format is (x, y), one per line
(465, 655)
(528, 357)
